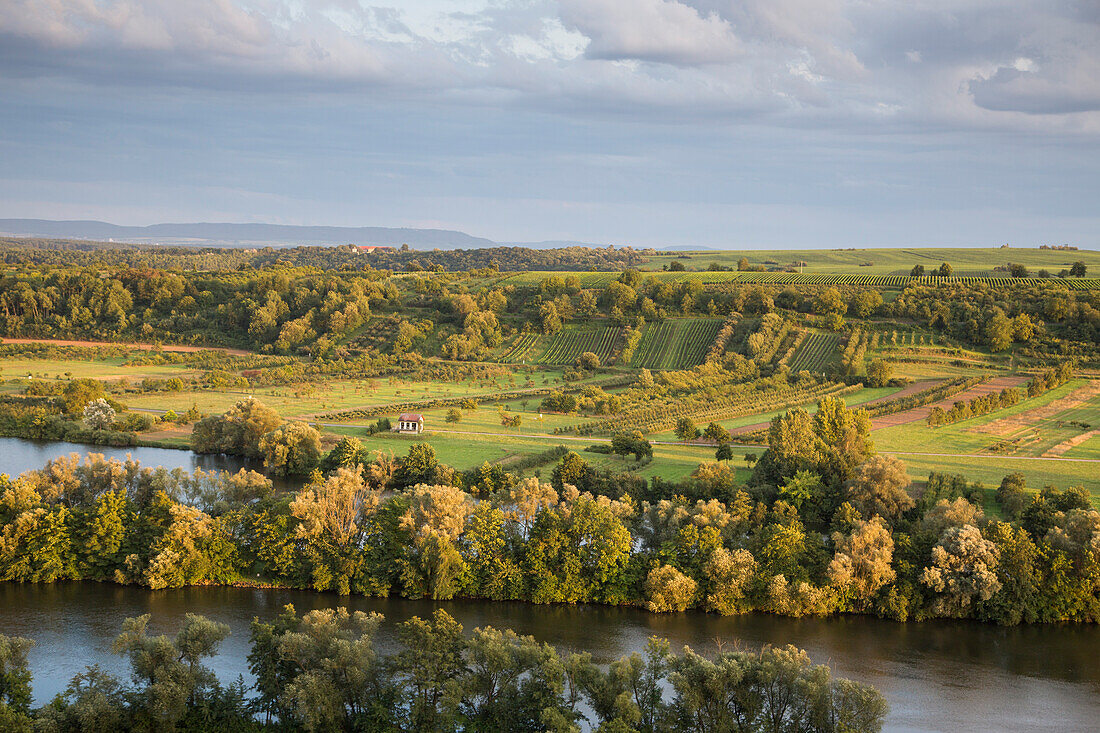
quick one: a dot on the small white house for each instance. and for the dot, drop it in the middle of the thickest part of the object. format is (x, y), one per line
(410, 422)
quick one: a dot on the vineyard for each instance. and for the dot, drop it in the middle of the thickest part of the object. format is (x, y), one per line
(816, 351)
(602, 279)
(569, 344)
(675, 344)
(521, 350)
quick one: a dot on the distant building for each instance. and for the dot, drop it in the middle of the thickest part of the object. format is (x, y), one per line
(366, 248)
(410, 422)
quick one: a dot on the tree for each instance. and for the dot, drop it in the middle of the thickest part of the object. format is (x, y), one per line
(419, 466)
(963, 570)
(1078, 269)
(829, 302)
(79, 392)
(878, 373)
(294, 448)
(454, 416)
(686, 430)
(743, 264)
(170, 670)
(667, 589)
(347, 452)
(863, 561)
(716, 433)
(237, 432)
(945, 270)
(334, 515)
(330, 675)
(998, 330)
(99, 415)
(589, 361)
(917, 271)
(879, 487)
(728, 573)
(15, 675)
(724, 452)
(1015, 269)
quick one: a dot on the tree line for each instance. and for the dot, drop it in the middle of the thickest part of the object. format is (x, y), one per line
(324, 671)
(825, 525)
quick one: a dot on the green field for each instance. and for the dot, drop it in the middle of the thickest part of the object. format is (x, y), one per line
(111, 368)
(964, 260)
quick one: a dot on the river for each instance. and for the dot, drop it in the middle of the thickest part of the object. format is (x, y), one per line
(18, 455)
(937, 676)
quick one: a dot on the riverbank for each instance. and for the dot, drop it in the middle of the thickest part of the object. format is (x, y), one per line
(936, 675)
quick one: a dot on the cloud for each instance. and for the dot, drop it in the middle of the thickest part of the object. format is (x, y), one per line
(665, 31)
(968, 64)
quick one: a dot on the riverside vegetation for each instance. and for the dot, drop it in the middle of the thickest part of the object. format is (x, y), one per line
(323, 672)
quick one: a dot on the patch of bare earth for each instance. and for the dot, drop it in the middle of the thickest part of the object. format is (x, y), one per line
(909, 389)
(126, 345)
(921, 413)
(1059, 450)
(1012, 424)
(179, 431)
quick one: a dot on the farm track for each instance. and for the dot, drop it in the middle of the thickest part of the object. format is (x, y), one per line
(995, 384)
(126, 345)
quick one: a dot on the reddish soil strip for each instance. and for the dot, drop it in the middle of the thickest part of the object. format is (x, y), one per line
(905, 392)
(1059, 450)
(125, 345)
(921, 413)
(1014, 423)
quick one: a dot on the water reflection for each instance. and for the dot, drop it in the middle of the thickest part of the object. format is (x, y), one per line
(18, 455)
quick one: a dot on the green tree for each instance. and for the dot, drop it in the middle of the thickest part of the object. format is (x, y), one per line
(454, 416)
(293, 448)
(419, 466)
(1078, 269)
(686, 430)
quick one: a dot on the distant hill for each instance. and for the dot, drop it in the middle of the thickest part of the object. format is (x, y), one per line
(243, 234)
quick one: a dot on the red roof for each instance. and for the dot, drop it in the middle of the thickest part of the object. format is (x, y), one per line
(410, 417)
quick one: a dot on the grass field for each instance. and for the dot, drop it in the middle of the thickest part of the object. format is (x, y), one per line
(109, 369)
(965, 261)
(310, 398)
(963, 437)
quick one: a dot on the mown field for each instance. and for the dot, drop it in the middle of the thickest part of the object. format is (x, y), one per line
(967, 436)
(965, 261)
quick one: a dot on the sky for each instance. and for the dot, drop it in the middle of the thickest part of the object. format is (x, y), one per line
(718, 123)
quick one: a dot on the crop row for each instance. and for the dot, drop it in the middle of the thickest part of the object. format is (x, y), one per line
(745, 399)
(568, 345)
(651, 349)
(391, 408)
(521, 349)
(815, 351)
(601, 279)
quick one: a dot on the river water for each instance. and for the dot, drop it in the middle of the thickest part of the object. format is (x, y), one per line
(937, 676)
(18, 455)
